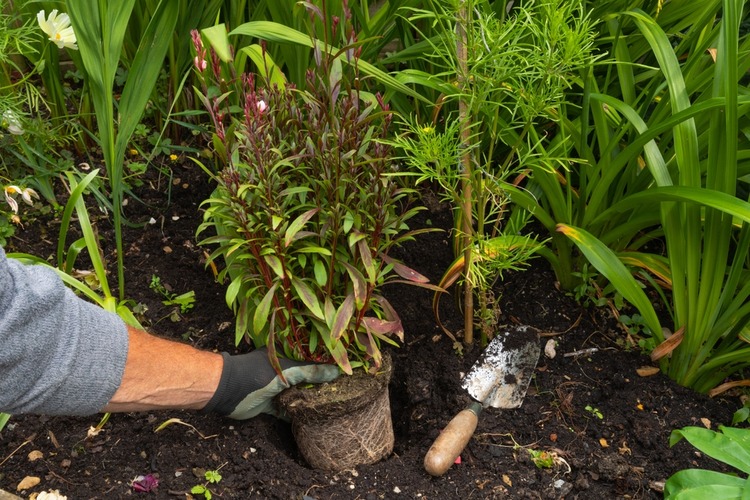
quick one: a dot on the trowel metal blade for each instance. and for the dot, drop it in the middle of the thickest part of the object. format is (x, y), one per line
(501, 375)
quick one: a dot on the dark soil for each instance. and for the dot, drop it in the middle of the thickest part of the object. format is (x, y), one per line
(603, 429)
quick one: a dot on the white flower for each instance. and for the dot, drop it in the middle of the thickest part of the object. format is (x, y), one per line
(10, 120)
(26, 196)
(58, 29)
(262, 106)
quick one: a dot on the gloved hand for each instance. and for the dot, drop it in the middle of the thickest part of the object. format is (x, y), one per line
(249, 383)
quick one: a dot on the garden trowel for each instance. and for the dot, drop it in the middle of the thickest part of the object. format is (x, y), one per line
(499, 379)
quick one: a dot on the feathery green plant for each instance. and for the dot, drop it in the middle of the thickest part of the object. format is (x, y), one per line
(508, 77)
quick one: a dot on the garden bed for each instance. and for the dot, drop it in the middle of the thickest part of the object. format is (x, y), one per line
(603, 429)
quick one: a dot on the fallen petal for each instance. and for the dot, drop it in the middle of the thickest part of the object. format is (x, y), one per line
(145, 483)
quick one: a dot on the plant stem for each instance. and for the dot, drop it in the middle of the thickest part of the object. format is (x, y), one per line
(466, 227)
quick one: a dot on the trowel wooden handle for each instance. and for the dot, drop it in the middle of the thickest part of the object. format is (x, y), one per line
(452, 441)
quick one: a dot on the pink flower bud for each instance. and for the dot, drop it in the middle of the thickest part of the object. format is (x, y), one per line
(200, 64)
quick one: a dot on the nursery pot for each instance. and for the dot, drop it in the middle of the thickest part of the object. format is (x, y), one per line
(345, 423)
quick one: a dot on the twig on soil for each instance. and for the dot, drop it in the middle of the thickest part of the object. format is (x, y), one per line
(171, 421)
(555, 334)
(28, 441)
(582, 352)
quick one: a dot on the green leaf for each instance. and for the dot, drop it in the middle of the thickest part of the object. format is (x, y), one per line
(348, 223)
(232, 290)
(731, 446)
(606, 262)
(265, 65)
(359, 284)
(338, 352)
(275, 264)
(144, 71)
(218, 39)
(308, 297)
(321, 276)
(700, 484)
(297, 225)
(260, 318)
(330, 312)
(277, 32)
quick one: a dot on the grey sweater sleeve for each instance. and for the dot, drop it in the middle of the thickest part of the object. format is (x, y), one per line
(59, 355)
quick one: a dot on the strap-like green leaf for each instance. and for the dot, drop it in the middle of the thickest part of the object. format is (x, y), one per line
(607, 263)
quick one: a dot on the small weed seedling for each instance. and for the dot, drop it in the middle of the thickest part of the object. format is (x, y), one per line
(186, 301)
(212, 477)
(594, 411)
(541, 458)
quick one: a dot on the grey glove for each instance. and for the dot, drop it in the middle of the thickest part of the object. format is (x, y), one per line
(249, 383)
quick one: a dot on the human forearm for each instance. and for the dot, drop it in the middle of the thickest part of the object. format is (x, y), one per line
(160, 373)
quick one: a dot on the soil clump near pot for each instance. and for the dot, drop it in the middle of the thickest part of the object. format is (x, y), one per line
(345, 423)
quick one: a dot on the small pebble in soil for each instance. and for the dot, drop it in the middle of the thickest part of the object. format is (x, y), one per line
(549, 349)
(396, 489)
(563, 488)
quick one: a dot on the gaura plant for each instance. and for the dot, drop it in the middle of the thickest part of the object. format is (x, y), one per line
(307, 208)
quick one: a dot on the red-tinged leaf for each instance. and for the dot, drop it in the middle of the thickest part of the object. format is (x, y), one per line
(388, 311)
(404, 271)
(384, 327)
(260, 318)
(308, 297)
(366, 255)
(343, 317)
(426, 286)
(275, 264)
(297, 225)
(359, 284)
(339, 354)
(366, 341)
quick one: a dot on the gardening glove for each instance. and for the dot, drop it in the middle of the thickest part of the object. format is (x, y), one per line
(249, 383)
